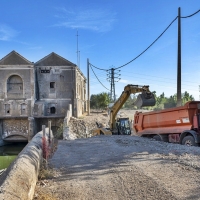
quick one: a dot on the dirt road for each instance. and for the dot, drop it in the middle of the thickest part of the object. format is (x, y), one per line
(123, 167)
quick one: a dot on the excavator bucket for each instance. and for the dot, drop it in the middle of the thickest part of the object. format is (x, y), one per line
(145, 99)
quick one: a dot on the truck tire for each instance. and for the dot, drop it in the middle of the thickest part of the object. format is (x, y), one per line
(163, 138)
(189, 141)
(157, 138)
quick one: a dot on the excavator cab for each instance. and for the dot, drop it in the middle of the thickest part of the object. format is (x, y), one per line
(146, 98)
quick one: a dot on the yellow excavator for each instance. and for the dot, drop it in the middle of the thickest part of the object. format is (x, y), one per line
(122, 125)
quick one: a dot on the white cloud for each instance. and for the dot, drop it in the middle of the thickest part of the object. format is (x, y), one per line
(95, 20)
(7, 33)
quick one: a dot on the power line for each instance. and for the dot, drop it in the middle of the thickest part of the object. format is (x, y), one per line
(101, 74)
(144, 50)
(152, 42)
(192, 14)
(98, 67)
(149, 45)
(172, 81)
(98, 79)
(174, 87)
(112, 82)
(155, 77)
(102, 77)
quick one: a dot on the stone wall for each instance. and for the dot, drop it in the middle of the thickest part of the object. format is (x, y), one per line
(55, 82)
(14, 90)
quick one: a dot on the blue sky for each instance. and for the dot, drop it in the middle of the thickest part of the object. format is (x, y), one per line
(111, 33)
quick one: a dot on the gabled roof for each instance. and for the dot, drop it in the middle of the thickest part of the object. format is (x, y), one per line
(14, 58)
(54, 59)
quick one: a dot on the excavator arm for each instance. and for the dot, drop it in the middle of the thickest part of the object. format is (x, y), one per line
(146, 98)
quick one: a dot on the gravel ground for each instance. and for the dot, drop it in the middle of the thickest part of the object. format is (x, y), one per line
(122, 167)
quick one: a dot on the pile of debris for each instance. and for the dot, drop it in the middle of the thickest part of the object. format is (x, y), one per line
(82, 128)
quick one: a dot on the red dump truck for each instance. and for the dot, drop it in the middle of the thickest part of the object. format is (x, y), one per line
(177, 125)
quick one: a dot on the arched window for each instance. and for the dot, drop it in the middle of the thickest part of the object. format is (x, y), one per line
(15, 84)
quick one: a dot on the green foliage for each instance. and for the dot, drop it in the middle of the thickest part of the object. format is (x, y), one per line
(99, 101)
(45, 173)
(129, 102)
(165, 102)
(186, 97)
(58, 133)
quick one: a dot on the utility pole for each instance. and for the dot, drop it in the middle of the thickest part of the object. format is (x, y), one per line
(112, 78)
(88, 85)
(78, 52)
(112, 84)
(179, 60)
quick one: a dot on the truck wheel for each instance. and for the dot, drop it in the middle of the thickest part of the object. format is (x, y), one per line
(157, 137)
(189, 141)
(163, 138)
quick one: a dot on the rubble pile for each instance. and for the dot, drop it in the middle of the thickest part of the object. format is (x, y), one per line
(78, 128)
(82, 128)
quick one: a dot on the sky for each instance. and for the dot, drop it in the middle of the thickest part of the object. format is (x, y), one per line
(110, 34)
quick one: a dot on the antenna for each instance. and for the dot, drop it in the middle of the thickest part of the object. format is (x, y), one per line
(78, 52)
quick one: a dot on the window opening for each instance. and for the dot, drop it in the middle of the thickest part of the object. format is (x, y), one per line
(44, 71)
(14, 84)
(7, 109)
(23, 109)
(52, 84)
(52, 110)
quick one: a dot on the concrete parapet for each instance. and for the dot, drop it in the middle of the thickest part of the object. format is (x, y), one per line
(19, 180)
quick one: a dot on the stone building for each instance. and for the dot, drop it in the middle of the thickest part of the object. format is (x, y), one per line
(31, 94)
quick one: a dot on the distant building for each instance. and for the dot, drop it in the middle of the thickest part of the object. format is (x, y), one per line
(31, 94)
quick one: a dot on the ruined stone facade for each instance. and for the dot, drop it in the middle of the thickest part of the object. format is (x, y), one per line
(31, 94)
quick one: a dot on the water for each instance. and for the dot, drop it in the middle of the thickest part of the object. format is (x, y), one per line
(9, 152)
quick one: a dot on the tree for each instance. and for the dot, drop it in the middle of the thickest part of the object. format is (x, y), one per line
(99, 101)
(130, 101)
(93, 101)
(171, 101)
(160, 101)
(165, 102)
(186, 97)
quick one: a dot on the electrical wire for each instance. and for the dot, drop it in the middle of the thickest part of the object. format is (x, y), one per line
(98, 79)
(152, 42)
(152, 76)
(192, 14)
(91, 65)
(101, 77)
(163, 79)
(149, 45)
(97, 67)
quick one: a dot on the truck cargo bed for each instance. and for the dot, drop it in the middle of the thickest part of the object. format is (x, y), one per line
(172, 120)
